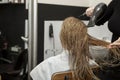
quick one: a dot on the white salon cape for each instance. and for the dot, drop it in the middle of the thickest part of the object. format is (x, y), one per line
(57, 63)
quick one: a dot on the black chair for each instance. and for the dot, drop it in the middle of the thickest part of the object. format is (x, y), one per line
(15, 71)
(4, 52)
(4, 56)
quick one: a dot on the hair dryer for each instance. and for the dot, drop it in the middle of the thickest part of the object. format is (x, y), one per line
(98, 13)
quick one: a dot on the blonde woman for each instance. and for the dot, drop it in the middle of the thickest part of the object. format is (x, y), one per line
(75, 56)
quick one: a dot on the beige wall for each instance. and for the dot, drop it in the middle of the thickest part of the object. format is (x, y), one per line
(66, 2)
(74, 2)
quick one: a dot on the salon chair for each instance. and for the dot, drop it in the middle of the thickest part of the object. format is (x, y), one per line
(4, 52)
(3, 59)
(18, 70)
(64, 75)
(67, 75)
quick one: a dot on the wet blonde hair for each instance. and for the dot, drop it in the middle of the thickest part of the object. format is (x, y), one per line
(74, 39)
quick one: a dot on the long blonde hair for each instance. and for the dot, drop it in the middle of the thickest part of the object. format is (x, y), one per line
(74, 38)
(76, 41)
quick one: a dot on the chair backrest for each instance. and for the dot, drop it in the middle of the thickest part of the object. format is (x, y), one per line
(67, 75)
(64, 75)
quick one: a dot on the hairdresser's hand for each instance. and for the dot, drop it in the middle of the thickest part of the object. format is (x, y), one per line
(115, 44)
(89, 11)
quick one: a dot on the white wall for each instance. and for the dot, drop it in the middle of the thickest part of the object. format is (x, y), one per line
(52, 46)
(66, 2)
(74, 2)
(4, 1)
